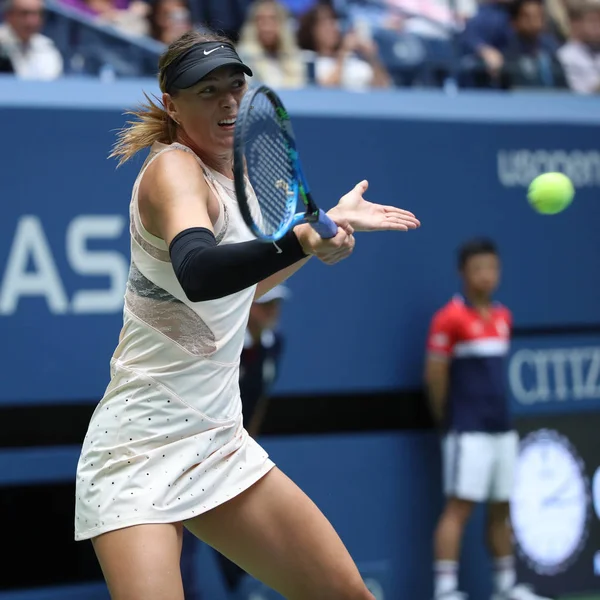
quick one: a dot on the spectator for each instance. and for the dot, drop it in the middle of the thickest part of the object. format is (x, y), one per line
(130, 17)
(32, 55)
(580, 56)
(486, 35)
(268, 45)
(530, 57)
(512, 47)
(169, 19)
(259, 363)
(429, 18)
(347, 60)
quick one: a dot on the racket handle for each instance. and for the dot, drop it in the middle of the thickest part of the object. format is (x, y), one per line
(324, 226)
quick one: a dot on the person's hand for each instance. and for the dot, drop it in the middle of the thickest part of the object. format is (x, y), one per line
(349, 43)
(363, 215)
(329, 251)
(367, 48)
(493, 59)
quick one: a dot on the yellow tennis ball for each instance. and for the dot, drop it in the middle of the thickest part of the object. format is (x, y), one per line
(551, 193)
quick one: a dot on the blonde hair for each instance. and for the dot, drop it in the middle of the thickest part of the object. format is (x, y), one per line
(288, 51)
(153, 123)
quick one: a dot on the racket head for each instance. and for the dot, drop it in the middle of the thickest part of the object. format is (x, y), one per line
(265, 155)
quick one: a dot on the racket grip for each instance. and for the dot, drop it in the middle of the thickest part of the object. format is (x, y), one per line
(324, 226)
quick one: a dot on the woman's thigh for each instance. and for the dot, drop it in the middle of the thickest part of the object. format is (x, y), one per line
(278, 535)
(142, 562)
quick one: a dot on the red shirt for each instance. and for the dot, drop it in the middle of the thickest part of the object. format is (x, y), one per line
(476, 347)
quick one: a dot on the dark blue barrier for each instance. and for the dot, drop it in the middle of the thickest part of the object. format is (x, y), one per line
(94, 591)
(460, 163)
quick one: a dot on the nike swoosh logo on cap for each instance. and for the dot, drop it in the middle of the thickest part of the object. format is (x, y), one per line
(206, 53)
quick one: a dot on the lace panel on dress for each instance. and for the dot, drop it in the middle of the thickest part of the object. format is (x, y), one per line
(168, 315)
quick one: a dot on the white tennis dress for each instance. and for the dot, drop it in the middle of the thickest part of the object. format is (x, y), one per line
(166, 442)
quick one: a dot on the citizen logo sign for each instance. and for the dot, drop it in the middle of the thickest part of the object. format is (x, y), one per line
(557, 374)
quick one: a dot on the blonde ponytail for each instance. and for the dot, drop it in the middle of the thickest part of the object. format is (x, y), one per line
(153, 124)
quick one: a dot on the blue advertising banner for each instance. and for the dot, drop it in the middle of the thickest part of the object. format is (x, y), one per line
(461, 164)
(554, 374)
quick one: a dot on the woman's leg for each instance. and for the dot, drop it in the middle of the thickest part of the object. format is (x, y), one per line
(278, 535)
(142, 562)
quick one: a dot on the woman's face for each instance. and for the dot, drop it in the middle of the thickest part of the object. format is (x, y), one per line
(268, 26)
(326, 31)
(172, 19)
(207, 111)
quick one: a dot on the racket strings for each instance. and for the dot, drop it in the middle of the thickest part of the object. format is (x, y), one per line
(269, 167)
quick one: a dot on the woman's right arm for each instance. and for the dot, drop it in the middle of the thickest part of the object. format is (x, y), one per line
(173, 203)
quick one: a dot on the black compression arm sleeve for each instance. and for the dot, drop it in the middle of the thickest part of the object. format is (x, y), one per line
(207, 271)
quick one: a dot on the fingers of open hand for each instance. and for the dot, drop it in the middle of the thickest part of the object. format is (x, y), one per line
(398, 216)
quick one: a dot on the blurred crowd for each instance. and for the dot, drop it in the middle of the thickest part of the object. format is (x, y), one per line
(350, 44)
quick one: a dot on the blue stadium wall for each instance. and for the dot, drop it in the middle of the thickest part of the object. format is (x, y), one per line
(461, 163)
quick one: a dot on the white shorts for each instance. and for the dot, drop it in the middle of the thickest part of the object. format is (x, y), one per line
(480, 466)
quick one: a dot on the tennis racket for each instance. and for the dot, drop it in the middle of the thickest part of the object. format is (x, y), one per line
(265, 152)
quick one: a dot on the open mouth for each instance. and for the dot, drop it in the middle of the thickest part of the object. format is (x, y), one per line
(227, 123)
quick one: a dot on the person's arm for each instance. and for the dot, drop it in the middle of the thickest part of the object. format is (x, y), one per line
(173, 203)
(436, 380)
(369, 50)
(335, 77)
(361, 215)
(274, 280)
(437, 366)
(381, 77)
(260, 411)
(580, 72)
(485, 35)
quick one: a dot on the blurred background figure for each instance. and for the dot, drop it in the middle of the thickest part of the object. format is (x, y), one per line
(168, 19)
(424, 17)
(31, 54)
(486, 36)
(530, 57)
(348, 59)
(580, 56)
(261, 356)
(268, 45)
(127, 16)
(466, 384)
(510, 45)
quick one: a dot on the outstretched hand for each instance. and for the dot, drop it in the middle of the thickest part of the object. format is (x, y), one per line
(363, 215)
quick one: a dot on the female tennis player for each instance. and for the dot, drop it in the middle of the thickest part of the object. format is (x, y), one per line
(166, 447)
